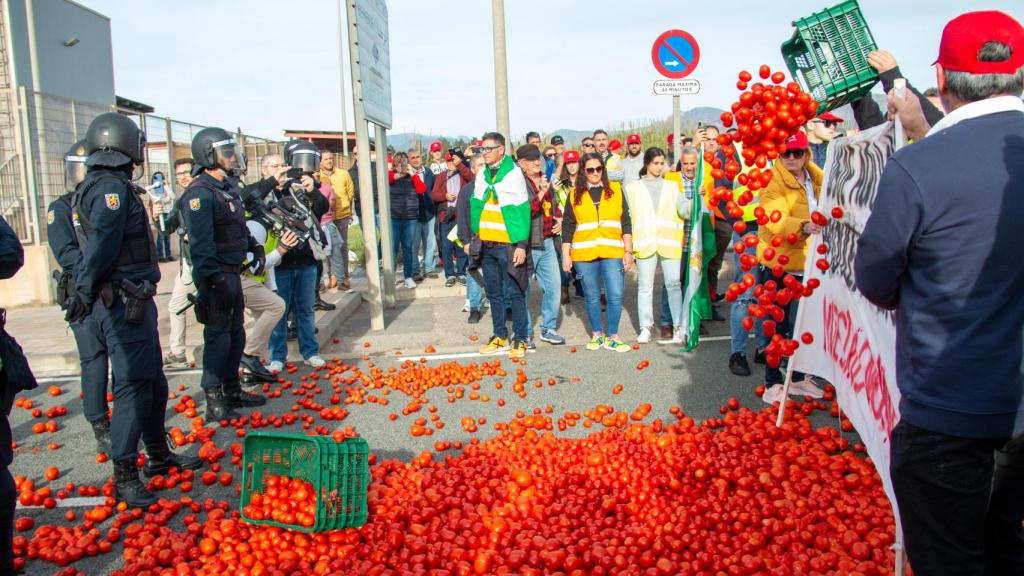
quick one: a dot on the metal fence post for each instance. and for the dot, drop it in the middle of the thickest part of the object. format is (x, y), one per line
(29, 187)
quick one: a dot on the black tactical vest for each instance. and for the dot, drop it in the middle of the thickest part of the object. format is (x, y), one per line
(230, 233)
(138, 252)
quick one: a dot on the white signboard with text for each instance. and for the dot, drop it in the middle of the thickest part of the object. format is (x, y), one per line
(374, 60)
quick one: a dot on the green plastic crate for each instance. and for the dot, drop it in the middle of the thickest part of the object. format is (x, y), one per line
(339, 474)
(828, 54)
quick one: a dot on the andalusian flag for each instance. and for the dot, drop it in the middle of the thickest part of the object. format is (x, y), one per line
(500, 205)
(700, 250)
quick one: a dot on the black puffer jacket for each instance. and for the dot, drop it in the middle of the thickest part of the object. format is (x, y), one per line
(405, 202)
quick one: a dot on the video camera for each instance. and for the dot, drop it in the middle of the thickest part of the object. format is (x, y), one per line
(278, 215)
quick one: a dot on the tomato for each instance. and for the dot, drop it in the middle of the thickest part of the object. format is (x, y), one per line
(764, 71)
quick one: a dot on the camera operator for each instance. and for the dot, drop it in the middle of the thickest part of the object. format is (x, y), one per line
(259, 290)
(183, 285)
(214, 218)
(92, 350)
(296, 275)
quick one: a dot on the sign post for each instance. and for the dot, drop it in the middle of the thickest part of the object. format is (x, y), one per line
(370, 58)
(675, 55)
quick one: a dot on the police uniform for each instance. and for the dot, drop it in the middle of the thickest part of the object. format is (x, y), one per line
(11, 259)
(114, 236)
(92, 348)
(214, 219)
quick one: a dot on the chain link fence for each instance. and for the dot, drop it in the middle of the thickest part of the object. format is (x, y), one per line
(36, 130)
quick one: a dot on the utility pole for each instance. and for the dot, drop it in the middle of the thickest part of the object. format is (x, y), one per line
(500, 69)
(341, 74)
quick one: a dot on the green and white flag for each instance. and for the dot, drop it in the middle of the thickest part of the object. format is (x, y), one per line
(700, 250)
(501, 198)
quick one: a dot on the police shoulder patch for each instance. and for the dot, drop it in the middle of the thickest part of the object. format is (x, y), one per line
(49, 216)
(194, 204)
(113, 201)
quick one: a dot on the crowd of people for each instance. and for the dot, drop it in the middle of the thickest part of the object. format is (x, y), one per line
(578, 223)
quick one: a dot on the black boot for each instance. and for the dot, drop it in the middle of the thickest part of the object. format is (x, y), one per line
(128, 487)
(101, 429)
(236, 398)
(255, 370)
(160, 460)
(217, 406)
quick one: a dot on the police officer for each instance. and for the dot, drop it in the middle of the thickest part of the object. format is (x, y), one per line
(214, 218)
(115, 281)
(92, 349)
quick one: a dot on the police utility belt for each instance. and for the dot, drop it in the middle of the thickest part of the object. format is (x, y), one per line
(134, 295)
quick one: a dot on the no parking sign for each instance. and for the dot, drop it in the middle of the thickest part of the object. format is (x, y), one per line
(675, 54)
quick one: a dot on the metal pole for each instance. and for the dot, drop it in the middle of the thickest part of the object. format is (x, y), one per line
(40, 123)
(170, 151)
(384, 201)
(341, 75)
(500, 68)
(365, 181)
(676, 129)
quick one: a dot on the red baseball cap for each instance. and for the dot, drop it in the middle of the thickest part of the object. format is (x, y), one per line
(614, 145)
(478, 143)
(828, 116)
(964, 36)
(448, 157)
(633, 139)
(798, 141)
(570, 156)
(671, 137)
(435, 146)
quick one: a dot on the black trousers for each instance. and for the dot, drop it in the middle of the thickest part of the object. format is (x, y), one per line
(224, 339)
(8, 503)
(93, 357)
(139, 384)
(961, 502)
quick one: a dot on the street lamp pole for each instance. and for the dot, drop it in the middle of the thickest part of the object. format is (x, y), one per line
(500, 68)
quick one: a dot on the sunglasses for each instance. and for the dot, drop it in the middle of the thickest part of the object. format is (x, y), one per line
(591, 145)
(549, 155)
(793, 154)
(595, 170)
(827, 123)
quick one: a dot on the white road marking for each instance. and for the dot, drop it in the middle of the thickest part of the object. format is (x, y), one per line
(458, 356)
(73, 377)
(76, 502)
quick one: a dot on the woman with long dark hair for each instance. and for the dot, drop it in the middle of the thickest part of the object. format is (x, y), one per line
(563, 187)
(597, 238)
(659, 211)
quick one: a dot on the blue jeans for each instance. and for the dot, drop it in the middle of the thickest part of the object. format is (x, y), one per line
(494, 265)
(297, 287)
(455, 259)
(403, 233)
(738, 310)
(666, 311)
(610, 272)
(426, 238)
(474, 293)
(547, 272)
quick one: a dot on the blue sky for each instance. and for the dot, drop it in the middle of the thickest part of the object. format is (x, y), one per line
(267, 65)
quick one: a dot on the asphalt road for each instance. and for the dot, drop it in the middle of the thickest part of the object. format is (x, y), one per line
(699, 382)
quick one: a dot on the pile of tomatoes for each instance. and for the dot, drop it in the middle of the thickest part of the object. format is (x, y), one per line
(285, 500)
(733, 495)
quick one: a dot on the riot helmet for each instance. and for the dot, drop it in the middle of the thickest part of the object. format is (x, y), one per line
(216, 148)
(114, 140)
(302, 155)
(74, 165)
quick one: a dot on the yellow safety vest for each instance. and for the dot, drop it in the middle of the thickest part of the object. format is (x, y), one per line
(492, 222)
(656, 231)
(269, 247)
(598, 229)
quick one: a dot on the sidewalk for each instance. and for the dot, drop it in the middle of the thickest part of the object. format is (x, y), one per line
(50, 345)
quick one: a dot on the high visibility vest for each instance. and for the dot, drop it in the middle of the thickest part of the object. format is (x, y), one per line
(656, 230)
(738, 190)
(598, 230)
(269, 247)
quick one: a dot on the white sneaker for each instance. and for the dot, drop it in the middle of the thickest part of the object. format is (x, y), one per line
(645, 336)
(315, 361)
(677, 336)
(275, 366)
(465, 307)
(410, 283)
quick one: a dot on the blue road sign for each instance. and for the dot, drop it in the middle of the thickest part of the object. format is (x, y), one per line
(675, 54)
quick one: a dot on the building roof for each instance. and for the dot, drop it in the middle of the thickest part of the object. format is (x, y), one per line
(133, 106)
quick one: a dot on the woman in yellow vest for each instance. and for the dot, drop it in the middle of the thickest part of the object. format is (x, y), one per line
(659, 212)
(597, 238)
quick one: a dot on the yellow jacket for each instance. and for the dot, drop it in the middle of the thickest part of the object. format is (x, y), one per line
(344, 192)
(786, 195)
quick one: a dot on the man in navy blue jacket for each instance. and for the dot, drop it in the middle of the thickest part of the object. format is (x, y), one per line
(942, 249)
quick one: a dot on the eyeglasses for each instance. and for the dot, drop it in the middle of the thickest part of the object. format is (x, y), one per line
(184, 173)
(595, 170)
(549, 156)
(793, 154)
(827, 123)
(275, 166)
(486, 149)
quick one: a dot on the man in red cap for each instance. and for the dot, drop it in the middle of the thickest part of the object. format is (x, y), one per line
(438, 164)
(942, 249)
(633, 162)
(821, 131)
